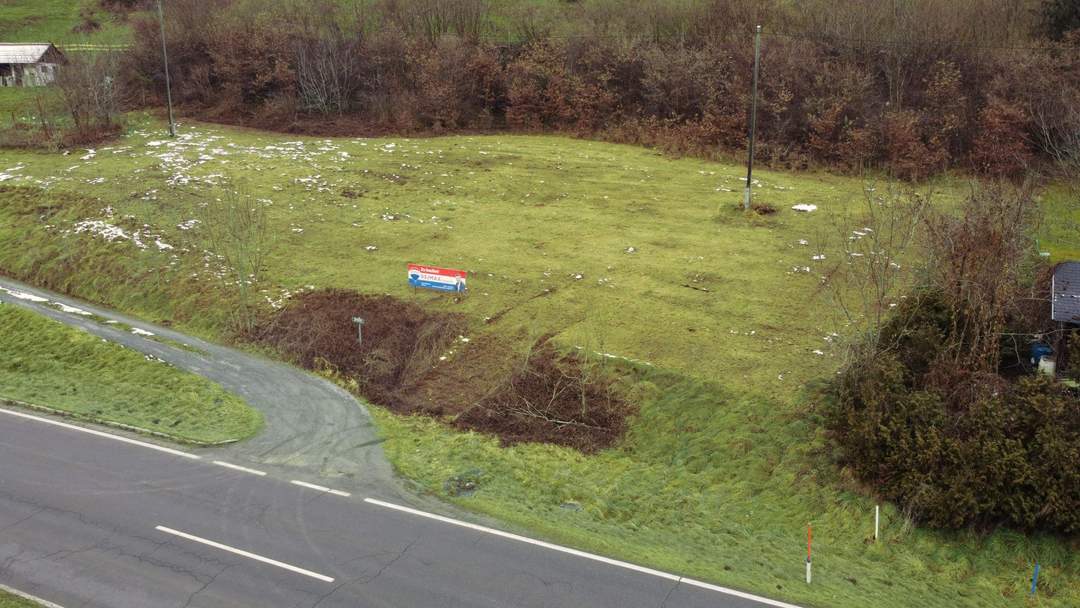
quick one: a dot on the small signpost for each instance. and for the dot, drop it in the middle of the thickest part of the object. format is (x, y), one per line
(359, 329)
(439, 279)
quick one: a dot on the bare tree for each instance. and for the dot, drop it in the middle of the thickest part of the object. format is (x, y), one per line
(872, 256)
(87, 86)
(431, 19)
(1058, 120)
(329, 65)
(978, 261)
(235, 229)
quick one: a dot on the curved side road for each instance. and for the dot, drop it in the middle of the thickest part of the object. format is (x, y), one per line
(96, 519)
(311, 426)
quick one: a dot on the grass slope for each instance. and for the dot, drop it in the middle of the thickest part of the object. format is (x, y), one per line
(8, 600)
(612, 248)
(46, 363)
(55, 21)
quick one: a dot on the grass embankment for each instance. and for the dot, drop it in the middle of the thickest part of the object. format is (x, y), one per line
(612, 248)
(44, 362)
(8, 600)
(59, 21)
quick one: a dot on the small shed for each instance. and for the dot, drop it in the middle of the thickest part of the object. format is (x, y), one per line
(1065, 290)
(29, 64)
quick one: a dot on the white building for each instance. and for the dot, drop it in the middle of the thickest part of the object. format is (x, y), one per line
(28, 64)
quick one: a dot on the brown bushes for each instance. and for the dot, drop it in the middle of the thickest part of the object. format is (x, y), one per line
(915, 90)
(939, 409)
(552, 398)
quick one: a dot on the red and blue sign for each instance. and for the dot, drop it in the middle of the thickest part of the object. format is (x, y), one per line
(433, 277)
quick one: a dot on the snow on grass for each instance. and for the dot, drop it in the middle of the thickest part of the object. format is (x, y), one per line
(804, 207)
(71, 309)
(22, 295)
(103, 229)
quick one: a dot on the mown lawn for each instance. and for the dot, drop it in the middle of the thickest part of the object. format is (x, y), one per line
(612, 248)
(44, 362)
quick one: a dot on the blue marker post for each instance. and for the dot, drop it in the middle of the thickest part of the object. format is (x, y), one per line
(1035, 579)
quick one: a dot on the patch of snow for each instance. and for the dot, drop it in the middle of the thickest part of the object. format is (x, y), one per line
(188, 224)
(805, 208)
(71, 309)
(105, 230)
(141, 332)
(22, 295)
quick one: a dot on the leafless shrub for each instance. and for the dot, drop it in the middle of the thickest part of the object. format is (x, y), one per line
(565, 399)
(328, 71)
(88, 88)
(432, 19)
(873, 251)
(235, 228)
(978, 261)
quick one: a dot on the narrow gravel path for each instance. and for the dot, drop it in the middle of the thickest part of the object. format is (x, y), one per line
(313, 428)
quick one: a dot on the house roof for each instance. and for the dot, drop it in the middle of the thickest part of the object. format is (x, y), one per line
(24, 52)
(1065, 305)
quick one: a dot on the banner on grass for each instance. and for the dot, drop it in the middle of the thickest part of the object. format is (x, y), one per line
(433, 277)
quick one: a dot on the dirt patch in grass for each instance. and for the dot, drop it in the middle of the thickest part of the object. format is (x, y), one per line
(401, 342)
(413, 361)
(552, 397)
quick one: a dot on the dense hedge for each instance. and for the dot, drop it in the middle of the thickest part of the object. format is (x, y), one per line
(917, 89)
(1005, 452)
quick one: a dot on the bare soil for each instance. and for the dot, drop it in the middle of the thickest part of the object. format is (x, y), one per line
(413, 361)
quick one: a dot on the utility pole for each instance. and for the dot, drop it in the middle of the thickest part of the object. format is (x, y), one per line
(165, 59)
(753, 119)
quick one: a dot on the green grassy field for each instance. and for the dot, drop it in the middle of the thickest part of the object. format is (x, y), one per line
(56, 21)
(8, 600)
(46, 363)
(613, 248)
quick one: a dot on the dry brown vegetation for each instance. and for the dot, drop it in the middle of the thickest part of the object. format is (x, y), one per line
(913, 86)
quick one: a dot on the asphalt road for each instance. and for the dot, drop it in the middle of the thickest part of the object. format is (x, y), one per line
(87, 519)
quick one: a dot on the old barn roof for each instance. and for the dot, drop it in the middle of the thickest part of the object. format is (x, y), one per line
(24, 52)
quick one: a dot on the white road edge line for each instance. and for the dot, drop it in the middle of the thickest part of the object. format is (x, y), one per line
(312, 486)
(247, 554)
(237, 467)
(592, 556)
(27, 596)
(82, 429)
